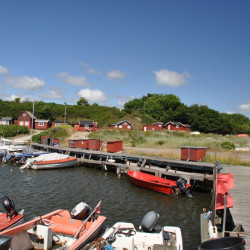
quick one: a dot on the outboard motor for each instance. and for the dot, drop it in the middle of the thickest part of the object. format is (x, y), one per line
(181, 184)
(149, 221)
(80, 211)
(9, 206)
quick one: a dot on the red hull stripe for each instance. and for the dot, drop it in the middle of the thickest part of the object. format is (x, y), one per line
(54, 161)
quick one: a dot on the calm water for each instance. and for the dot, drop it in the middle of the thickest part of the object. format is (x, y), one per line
(40, 192)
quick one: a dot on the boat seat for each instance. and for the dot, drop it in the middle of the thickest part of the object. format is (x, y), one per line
(66, 226)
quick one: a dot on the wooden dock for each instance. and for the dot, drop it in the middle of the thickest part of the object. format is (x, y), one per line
(197, 173)
(240, 194)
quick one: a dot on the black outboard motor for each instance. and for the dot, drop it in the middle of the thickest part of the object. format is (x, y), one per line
(149, 221)
(81, 211)
(9, 206)
(181, 184)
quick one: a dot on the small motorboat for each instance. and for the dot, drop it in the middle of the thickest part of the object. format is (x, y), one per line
(123, 235)
(50, 161)
(58, 230)
(159, 184)
(11, 218)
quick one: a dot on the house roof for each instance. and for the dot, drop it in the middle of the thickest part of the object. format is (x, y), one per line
(6, 119)
(178, 123)
(29, 114)
(121, 122)
(86, 123)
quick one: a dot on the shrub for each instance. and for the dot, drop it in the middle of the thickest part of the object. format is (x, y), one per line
(228, 145)
(13, 130)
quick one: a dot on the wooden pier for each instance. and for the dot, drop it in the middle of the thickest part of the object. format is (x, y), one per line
(196, 173)
(240, 194)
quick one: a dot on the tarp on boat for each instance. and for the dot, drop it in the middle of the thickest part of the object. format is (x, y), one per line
(225, 182)
(49, 157)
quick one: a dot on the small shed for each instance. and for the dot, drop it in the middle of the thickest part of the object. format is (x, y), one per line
(80, 143)
(46, 140)
(114, 146)
(193, 153)
(177, 126)
(123, 125)
(6, 121)
(95, 144)
(42, 124)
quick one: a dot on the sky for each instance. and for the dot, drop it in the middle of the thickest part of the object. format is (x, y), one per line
(112, 51)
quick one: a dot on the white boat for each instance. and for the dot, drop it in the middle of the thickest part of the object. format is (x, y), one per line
(123, 235)
(10, 147)
(50, 161)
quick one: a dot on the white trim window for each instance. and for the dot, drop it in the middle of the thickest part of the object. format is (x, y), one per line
(41, 124)
(27, 123)
(24, 114)
(21, 123)
(120, 126)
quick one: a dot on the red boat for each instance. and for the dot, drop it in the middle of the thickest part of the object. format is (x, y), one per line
(59, 229)
(12, 218)
(159, 184)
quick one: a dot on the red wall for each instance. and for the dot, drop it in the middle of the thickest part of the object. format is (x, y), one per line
(95, 144)
(82, 143)
(46, 125)
(176, 129)
(193, 153)
(124, 127)
(114, 146)
(152, 127)
(23, 118)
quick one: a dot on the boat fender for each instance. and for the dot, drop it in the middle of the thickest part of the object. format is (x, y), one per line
(149, 221)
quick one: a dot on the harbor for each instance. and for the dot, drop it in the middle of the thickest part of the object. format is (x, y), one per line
(113, 165)
(196, 173)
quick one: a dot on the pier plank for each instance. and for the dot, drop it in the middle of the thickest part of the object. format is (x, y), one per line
(240, 194)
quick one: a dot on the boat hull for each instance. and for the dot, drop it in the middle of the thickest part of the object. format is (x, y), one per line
(86, 234)
(152, 182)
(63, 163)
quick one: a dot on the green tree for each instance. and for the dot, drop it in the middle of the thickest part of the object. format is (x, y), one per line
(82, 101)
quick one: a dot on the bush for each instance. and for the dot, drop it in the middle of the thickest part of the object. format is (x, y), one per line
(228, 145)
(13, 130)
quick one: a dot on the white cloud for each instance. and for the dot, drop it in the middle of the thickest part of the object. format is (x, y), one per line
(116, 75)
(53, 94)
(93, 71)
(24, 82)
(3, 70)
(123, 100)
(74, 80)
(245, 108)
(171, 78)
(95, 95)
(10, 98)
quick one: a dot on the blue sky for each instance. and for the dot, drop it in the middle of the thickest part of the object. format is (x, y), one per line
(111, 51)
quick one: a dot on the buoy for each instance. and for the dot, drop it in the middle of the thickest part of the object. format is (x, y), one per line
(11, 170)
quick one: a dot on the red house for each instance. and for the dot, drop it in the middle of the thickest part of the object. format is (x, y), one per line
(125, 125)
(86, 126)
(25, 119)
(177, 126)
(42, 124)
(155, 126)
